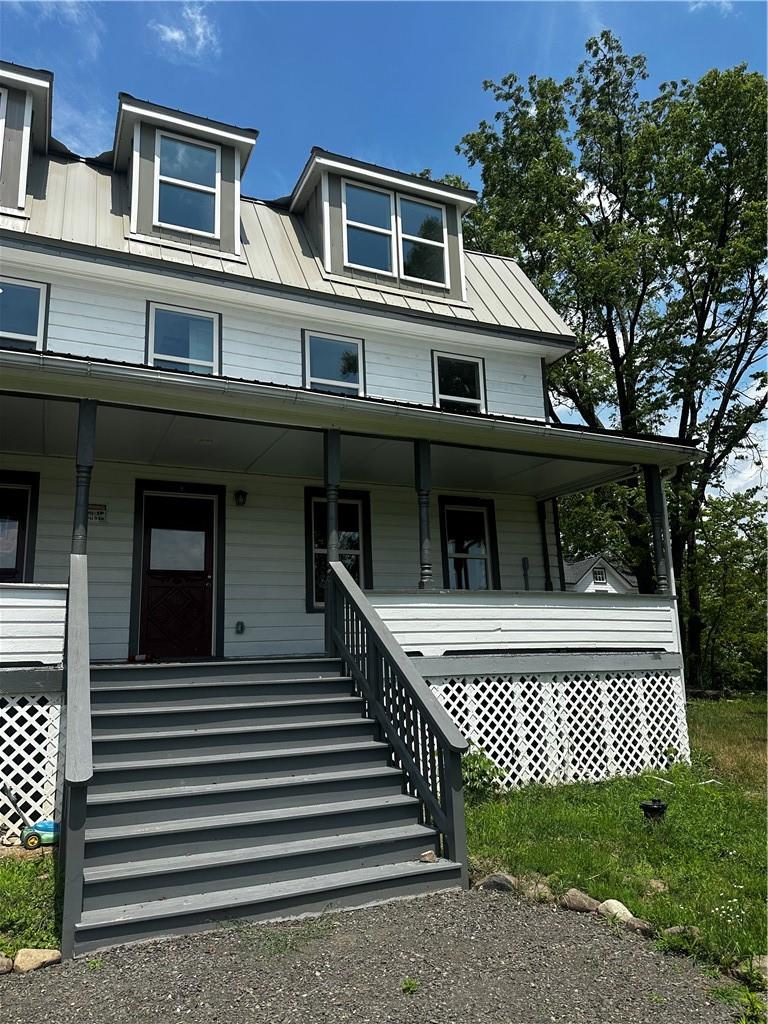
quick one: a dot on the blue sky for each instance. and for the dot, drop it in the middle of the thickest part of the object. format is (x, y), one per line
(394, 83)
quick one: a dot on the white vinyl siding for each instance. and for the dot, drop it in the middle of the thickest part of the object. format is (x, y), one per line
(32, 622)
(110, 324)
(265, 549)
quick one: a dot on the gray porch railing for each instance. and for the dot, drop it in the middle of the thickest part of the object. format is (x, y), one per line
(78, 760)
(424, 741)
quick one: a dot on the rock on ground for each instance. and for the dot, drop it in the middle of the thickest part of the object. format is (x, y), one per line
(575, 899)
(616, 910)
(479, 957)
(27, 960)
(6, 964)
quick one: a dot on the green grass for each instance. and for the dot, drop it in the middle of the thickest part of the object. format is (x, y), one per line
(732, 734)
(27, 904)
(710, 851)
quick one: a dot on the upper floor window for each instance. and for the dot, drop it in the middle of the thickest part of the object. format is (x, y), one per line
(334, 364)
(459, 383)
(599, 575)
(22, 311)
(187, 185)
(423, 241)
(369, 228)
(392, 234)
(183, 339)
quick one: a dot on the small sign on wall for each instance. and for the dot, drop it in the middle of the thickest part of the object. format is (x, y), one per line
(97, 513)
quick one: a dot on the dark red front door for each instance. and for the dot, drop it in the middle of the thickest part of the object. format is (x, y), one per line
(177, 593)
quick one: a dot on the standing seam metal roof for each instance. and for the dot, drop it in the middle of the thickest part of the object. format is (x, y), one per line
(87, 204)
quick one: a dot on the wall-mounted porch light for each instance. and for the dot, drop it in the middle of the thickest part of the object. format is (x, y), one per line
(240, 498)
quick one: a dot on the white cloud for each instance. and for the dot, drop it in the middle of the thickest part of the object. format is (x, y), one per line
(724, 6)
(79, 15)
(191, 37)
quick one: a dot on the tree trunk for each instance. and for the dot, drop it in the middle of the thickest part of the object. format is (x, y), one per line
(695, 626)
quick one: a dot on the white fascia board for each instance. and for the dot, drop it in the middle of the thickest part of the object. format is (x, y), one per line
(181, 123)
(23, 81)
(47, 373)
(392, 181)
(249, 298)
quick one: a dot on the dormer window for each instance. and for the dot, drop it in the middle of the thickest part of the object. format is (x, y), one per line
(599, 576)
(187, 185)
(369, 228)
(423, 241)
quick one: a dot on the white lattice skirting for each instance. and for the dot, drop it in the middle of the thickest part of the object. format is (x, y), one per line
(30, 735)
(570, 727)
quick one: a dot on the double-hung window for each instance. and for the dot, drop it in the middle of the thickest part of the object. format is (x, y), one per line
(470, 556)
(22, 312)
(459, 383)
(599, 576)
(187, 185)
(369, 228)
(333, 364)
(423, 242)
(183, 339)
(354, 541)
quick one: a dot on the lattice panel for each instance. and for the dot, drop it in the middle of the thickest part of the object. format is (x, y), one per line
(570, 727)
(30, 733)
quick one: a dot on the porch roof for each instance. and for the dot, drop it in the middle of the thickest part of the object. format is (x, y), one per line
(157, 418)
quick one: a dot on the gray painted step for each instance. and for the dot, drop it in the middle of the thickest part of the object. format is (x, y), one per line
(156, 804)
(166, 717)
(182, 693)
(299, 759)
(254, 828)
(188, 874)
(110, 808)
(110, 747)
(99, 929)
(259, 668)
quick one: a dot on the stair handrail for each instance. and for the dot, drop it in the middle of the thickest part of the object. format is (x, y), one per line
(78, 761)
(78, 756)
(424, 739)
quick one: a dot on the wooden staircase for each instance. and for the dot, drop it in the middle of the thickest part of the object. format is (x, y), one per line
(226, 790)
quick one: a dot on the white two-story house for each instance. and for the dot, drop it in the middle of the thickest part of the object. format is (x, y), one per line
(279, 529)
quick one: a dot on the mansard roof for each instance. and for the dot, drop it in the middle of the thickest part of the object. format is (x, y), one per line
(85, 203)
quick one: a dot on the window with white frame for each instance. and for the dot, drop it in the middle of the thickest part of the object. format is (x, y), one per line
(470, 557)
(187, 185)
(459, 383)
(22, 312)
(423, 241)
(369, 228)
(183, 339)
(599, 575)
(334, 364)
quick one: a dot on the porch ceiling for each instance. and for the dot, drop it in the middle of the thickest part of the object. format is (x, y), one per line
(49, 426)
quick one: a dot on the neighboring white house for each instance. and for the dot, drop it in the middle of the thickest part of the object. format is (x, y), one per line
(209, 403)
(597, 575)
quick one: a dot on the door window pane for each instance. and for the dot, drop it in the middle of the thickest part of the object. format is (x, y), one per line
(466, 545)
(177, 550)
(335, 360)
(19, 309)
(187, 208)
(468, 574)
(187, 161)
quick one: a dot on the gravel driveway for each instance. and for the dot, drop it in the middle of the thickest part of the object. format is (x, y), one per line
(482, 957)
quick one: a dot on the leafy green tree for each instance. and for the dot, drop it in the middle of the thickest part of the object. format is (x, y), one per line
(643, 221)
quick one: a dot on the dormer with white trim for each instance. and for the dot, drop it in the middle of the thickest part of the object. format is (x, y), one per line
(184, 175)
(394, 230)
(25, 126)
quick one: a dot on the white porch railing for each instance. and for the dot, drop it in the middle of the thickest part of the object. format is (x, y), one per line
(32, 623)
(434, 623)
